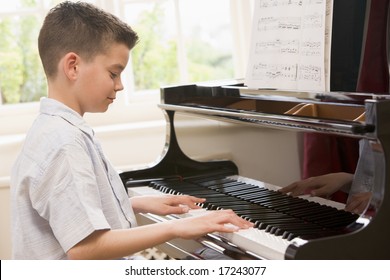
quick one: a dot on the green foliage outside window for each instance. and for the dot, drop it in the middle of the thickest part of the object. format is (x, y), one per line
(155, 61)
(21, 74)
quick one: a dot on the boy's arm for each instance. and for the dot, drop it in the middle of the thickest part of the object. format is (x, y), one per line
(115, 244)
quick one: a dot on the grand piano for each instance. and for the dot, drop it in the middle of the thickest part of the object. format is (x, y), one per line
(286, 227)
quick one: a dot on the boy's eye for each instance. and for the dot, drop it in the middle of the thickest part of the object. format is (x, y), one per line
(113, 75)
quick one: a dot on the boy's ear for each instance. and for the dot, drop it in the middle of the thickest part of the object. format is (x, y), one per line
(71, 65)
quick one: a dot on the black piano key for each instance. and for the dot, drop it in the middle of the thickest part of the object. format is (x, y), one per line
(259, 225)
(276, 221)
(242, 186)
(230, 192)
(223, 188)
(280, 205)
(221, 198)
(212, 207)
(266, 213)
(307, 210)
(254, 211)
(295, 228)
(272, 202)
(177, 184)
(215, 182)
(265, 197)
(289, 236)
(253, 207)
(299, 233)
(293, 205)
(280, 230)
(286, 206)
(242, 194)
(270, 224)
(228, 189)
(229, 205)
(258, 193)
(263, 223)
(231, 184)
(201, 193)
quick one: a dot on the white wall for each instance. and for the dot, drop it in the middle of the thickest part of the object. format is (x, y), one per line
(270, 155)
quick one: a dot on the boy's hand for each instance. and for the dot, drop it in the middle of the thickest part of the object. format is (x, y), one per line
(165, 204)
(211, 221)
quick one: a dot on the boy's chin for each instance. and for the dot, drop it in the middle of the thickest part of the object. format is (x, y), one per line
(99, 110)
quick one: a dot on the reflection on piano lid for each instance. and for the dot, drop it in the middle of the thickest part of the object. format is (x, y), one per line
(290, 228)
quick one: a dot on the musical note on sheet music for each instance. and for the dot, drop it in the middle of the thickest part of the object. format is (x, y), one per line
(312, 21)
(277, 46)
(287, 23)
(280, 3)
(310, 73)
(311, 48)
(290, 41)
(287, 72)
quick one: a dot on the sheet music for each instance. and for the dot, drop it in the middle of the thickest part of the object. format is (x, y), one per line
(290, 47)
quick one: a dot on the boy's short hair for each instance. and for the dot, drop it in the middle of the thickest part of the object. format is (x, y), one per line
(81, 28)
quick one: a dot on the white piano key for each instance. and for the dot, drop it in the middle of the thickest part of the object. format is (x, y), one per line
(259, 242)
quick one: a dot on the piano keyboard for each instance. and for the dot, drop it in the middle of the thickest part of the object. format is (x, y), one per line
(280, 220)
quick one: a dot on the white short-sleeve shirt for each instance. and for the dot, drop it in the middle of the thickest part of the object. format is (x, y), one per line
(62, 187)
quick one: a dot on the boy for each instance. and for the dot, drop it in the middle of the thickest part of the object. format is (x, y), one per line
(67, 200)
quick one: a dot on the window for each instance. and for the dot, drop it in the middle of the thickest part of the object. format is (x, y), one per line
(182, 41)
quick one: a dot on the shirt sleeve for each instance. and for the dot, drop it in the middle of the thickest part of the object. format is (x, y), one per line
(67, 196)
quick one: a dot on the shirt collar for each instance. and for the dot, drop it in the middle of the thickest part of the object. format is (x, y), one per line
(53, 107)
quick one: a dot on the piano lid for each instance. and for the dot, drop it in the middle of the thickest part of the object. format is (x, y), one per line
(341, 113)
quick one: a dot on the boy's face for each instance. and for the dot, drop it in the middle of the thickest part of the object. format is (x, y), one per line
(99, 79)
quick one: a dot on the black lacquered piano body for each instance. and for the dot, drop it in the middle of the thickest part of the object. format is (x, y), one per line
(362, 116)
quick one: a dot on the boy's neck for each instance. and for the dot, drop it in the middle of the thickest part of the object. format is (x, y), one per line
(64, 95)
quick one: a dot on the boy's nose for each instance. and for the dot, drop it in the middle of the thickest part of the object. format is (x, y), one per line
(119, 86)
